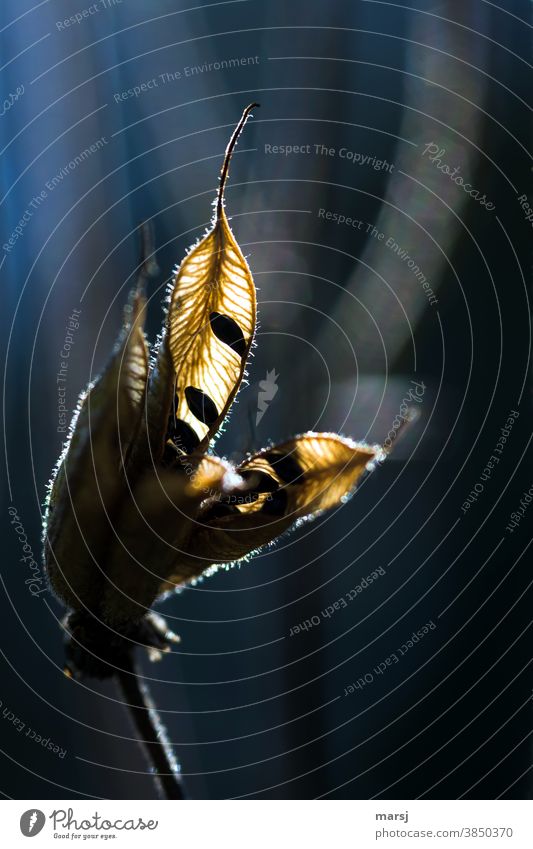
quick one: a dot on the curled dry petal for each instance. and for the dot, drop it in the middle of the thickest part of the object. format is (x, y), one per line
(296, 479)
(89, 482)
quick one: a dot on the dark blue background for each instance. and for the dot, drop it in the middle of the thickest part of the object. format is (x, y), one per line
(251, 710)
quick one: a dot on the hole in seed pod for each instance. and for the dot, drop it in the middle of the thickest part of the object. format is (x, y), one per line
(259, 481)
(276, 505)
(201, 405)
(229, 332)
(286, 467)
(184, 437)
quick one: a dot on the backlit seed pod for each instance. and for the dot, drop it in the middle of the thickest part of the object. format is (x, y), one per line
(137, 506)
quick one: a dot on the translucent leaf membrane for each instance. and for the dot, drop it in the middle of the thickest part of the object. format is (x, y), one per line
(290, 481)
(211, 324)
(153, 434)
(313, 472)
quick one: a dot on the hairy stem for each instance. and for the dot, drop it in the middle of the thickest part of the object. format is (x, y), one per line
(151, 731)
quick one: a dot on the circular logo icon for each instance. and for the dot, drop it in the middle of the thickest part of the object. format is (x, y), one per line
(32, 822)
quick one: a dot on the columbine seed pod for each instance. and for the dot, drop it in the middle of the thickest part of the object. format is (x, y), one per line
(136, 506)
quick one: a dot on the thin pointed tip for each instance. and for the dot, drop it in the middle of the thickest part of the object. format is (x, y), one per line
(227, 158)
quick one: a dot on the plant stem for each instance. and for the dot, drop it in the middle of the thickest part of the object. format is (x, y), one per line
(151, 731)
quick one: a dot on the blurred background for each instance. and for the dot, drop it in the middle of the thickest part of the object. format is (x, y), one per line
(120, 111)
